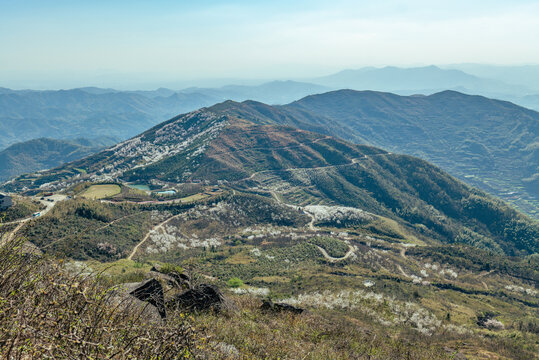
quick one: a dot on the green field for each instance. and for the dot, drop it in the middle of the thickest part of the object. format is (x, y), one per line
(101, 191)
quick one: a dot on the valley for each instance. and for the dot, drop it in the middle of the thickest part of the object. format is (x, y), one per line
(336, 261)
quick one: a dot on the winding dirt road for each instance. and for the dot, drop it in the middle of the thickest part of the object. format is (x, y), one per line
(48, 207)
(333, 259)
(353, 161)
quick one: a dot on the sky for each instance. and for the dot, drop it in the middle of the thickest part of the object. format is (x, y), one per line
(138, 44)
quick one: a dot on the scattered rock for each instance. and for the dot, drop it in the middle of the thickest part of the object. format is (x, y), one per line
(166, 279)
(152, 292)
(143, 309)
(269, 305)
(182, 279)
(201, 297)
(126, 301)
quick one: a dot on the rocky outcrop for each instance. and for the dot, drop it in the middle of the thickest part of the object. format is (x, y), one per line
(200, 298)
(142, 298)
(152, 292)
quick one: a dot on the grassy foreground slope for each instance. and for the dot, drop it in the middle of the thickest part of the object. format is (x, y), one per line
(373, 287)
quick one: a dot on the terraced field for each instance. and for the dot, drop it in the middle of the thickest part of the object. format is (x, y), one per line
(101, 191)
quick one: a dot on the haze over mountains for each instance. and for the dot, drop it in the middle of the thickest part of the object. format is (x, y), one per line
(67, 114)
(424, 80)
(525, 75)
(27, 114)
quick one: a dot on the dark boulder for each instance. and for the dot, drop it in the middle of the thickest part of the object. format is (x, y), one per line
(183, 279)
(164, 279)
(151, 291)
(201, 297)
(269, 305)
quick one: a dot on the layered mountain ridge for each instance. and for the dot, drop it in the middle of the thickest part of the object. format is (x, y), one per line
(302, 168)
(488, 143)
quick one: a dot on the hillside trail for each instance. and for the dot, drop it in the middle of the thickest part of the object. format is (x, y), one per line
(12, 234)
(313, 228)
(295, 146)
(402, 271)
(484, 273)
(403, 252)
(353, 161)
(311, 223)
(333, 259)
(149, 233)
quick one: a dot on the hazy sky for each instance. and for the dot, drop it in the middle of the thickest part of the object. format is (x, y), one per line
(51, 43)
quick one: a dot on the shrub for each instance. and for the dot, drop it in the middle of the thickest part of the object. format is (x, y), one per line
(234, 282)
(170, 268)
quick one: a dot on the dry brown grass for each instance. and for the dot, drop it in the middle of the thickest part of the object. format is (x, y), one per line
(47, 312)
(256, 334)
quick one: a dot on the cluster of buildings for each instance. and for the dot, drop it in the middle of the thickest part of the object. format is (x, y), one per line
(5, 201)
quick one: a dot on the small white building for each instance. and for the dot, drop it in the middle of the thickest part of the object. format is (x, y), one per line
(5, 201)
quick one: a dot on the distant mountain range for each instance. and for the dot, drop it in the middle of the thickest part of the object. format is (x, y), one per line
(523, 75)
(253, 154)
(43, 153)
(65, 114)
(431, 79)
(423, 79)
(474, 138)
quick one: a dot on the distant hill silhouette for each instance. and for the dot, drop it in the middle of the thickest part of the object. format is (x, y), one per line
(43, 153)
